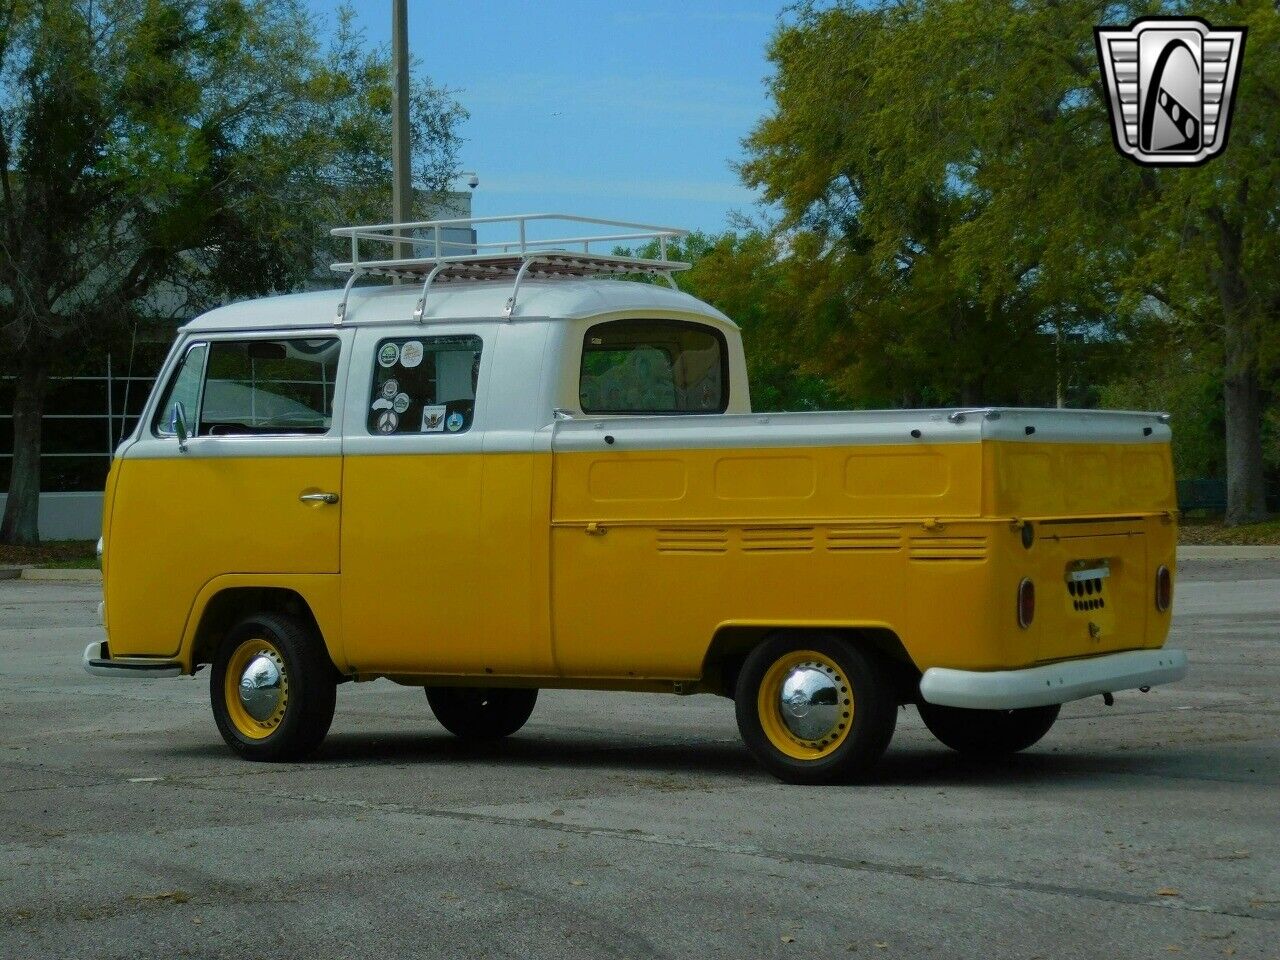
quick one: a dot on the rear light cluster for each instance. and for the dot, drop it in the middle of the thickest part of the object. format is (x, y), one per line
(1026, 602)
(1164, 589)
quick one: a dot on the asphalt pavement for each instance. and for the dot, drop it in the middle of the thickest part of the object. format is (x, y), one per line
(627, 825)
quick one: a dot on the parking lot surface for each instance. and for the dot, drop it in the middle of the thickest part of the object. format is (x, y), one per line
(624, 825)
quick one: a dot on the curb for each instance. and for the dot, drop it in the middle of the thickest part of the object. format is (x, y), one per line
(50, 573)
(1228, 552)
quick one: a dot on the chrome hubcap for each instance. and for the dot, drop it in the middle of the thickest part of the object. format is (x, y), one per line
(810, 701)
(261, 687)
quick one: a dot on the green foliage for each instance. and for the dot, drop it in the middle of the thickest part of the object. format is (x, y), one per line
(966, 231)
(1191, 391)
(160, 155)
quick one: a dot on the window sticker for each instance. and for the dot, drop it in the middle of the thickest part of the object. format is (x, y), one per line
(411, 354)
(428, 384)
(433, 418)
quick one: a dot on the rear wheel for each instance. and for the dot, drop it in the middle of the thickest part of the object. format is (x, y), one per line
(988, 733)
(815, 709)
(272, 688)
(481, 713)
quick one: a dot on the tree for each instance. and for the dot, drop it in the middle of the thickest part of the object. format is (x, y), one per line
(165, 154)
(952, 159)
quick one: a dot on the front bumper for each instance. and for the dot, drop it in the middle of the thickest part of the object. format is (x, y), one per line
(1052, 683)
(98, 662)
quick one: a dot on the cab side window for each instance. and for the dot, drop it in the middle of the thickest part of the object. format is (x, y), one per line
(654, 366)
(269, 387)
(424, 384)
(184, 388)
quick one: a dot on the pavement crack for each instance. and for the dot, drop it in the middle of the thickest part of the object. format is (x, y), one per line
(906, 871)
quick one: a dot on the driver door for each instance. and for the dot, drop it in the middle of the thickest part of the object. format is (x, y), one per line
(255, 487)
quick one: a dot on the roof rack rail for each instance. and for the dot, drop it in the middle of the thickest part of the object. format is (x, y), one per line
(422, 251)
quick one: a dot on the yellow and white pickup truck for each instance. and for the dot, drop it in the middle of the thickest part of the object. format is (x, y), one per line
(511, 474)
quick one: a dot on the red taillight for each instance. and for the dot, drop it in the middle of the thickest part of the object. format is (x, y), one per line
(1026, 602)
(1164, 589)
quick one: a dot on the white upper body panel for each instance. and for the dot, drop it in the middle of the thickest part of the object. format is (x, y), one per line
(861, 427)
(531, 365)
(568, 299)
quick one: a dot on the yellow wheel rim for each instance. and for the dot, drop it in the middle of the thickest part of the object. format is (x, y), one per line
(256, 688)
(805, 705)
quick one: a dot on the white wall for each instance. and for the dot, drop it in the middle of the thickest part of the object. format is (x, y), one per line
(68, 516)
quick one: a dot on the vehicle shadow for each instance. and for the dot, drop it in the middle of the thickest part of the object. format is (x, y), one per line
(910, 765)
(528, 749)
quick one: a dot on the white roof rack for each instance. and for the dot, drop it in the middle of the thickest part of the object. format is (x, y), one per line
(429, 251)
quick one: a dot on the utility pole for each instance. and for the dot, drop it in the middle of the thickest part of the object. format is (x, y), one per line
(401, 172)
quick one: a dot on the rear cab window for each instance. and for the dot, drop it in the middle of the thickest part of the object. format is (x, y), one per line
(653, 367)
(424, 384)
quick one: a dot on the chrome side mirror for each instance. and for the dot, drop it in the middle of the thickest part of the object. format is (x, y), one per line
(178, 424)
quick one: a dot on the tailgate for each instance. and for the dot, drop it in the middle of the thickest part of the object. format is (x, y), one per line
(1093, 581)
(1097, 489)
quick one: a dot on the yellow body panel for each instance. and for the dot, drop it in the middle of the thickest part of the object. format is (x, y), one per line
(178, 523)
(655, 553)
(444, 564)
(618, 568)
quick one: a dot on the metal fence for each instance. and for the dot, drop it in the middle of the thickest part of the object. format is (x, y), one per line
(85, 417)
(1210, 494)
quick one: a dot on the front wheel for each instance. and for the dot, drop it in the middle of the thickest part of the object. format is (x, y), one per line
(988, 733)
(272, 688)
(481, 713)
(815, 709)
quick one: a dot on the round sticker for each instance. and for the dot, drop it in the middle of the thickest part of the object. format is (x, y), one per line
(391, 388)
(401, 403)
(381, 404)
(388, 354)
(455, 421)
(387, 422)
(411, 353)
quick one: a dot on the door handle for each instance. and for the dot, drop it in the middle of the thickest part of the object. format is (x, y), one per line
(318, 497)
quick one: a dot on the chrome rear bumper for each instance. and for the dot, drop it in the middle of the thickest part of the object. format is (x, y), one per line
(98, 662)
(1052, 683)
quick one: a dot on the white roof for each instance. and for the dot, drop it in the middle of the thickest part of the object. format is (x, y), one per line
(567, 299)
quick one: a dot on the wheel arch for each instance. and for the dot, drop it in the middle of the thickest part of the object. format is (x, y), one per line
(732, 643)
(227, 600)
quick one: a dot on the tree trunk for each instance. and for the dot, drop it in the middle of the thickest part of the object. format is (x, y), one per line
(1246, 489)
(21, 524)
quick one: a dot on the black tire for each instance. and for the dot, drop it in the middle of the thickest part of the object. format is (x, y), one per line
(861, 681)
(988, 733)
(481, 713)
(309, 688)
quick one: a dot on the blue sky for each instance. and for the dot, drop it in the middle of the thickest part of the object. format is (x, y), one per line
(629, 111)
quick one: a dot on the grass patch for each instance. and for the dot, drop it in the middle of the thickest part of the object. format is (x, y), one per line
(1213, 533)
(63, 554)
